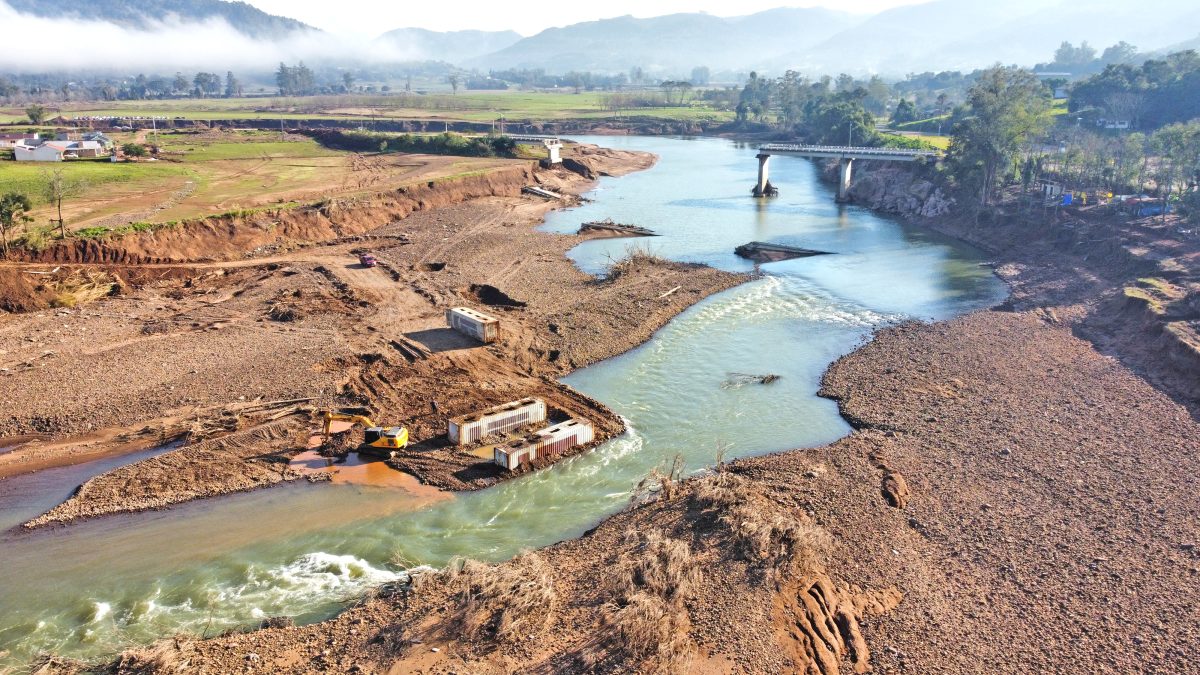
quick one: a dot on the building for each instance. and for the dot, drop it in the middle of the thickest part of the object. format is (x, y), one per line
(44, 152)
(99, 137)
(57, 151)
(12, 140)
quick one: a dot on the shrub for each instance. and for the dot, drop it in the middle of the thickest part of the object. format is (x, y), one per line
(634, 258)
(506, 602)
(659, 565)
(760, 530)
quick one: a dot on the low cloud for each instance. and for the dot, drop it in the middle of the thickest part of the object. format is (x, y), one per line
(40, 44)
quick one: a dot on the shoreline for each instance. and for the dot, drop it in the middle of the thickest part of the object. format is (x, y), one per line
(896, 487)
(897, 497)
(425, 276)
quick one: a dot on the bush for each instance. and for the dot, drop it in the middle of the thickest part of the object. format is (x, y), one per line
(659, 565)
(508, 602)
(36, 239)
(134, 150)
(761, 531)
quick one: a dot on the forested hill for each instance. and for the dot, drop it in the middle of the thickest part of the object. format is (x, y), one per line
(143, 13)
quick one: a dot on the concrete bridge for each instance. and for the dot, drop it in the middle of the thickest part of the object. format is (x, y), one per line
(845, 154)
(552, 144)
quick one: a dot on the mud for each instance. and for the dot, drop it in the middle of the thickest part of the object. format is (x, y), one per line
(1012, 500)
(306, 321)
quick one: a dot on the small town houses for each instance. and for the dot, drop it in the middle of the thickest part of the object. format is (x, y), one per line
(33, 148)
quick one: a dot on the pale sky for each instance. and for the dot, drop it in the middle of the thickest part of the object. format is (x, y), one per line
(372, 17)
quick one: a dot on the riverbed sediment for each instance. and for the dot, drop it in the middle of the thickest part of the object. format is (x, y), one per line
(1012, 499)
(307, 324)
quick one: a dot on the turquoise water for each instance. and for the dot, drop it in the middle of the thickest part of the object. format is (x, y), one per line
(304, 550)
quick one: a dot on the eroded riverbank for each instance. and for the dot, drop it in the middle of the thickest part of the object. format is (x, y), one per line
(482, 252)
(1043, 483)
(792, 322)
(1003, 475)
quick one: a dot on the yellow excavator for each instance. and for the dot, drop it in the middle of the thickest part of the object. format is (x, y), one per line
(377, 440)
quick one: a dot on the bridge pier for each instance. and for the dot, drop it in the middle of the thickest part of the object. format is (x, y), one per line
(845, 156)
(845, 173)
(764, 188)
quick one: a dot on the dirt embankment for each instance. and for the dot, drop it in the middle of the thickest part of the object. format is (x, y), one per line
(1129, 285)
(1011, 500)
(1003, 475)
(229, 237)
(310, 323)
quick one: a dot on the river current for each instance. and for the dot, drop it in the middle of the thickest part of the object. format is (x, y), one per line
(305, 550)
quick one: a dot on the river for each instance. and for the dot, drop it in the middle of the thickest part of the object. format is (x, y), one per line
(304, 550)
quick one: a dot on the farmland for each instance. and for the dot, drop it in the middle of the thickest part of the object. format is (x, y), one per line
(474, 106)
(202, 173)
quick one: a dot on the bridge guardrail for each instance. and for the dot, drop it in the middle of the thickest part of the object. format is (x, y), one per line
(846, 150)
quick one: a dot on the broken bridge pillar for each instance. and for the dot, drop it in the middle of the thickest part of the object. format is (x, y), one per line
(845, 173)
(763, 187)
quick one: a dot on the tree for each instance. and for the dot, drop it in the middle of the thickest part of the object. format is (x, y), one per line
(701, 76)
(1178, 148)
(1122, 52)
(180, 84)
(1007, 107)
(905, 112)
(14, 208)
(56, 187)
(232, 86)
(454, 79)
(1067, 55)
(348, 80)
(36, 113)
(134, 149)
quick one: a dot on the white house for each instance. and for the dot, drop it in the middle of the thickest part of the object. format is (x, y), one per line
(51, 151)
(12, 140)
(56, 151)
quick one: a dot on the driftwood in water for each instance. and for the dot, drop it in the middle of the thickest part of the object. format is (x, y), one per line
(763, 252)
(739, 380)
(607, 226)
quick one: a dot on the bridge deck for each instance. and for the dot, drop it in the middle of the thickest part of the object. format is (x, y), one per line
(846, 152)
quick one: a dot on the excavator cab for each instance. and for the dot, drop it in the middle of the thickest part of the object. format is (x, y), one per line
(377, 440)
(386, 437)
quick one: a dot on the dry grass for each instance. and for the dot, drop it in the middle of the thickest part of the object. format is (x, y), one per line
(648, 620)
(82, 287)
(56, 665)
(650, 631)
(161, 658)
(659, 565)
(509, 602)
(760, 530)
(636, 257)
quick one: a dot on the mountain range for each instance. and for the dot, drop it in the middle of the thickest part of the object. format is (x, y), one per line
(935, 35)
(146, 14)
(454, 46)
(674, 43)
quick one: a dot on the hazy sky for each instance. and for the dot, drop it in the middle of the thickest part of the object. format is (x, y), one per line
(371, 17)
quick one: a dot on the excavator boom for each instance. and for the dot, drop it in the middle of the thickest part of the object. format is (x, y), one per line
(378, 440)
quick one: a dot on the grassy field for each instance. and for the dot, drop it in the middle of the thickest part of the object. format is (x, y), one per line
(473, 106)
(214, 172)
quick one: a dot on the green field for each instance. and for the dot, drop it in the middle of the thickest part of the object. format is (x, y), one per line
(202, 172)
(27, 177)
(468, 106)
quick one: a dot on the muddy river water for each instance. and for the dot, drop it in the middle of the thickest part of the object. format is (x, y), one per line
(304, 550)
